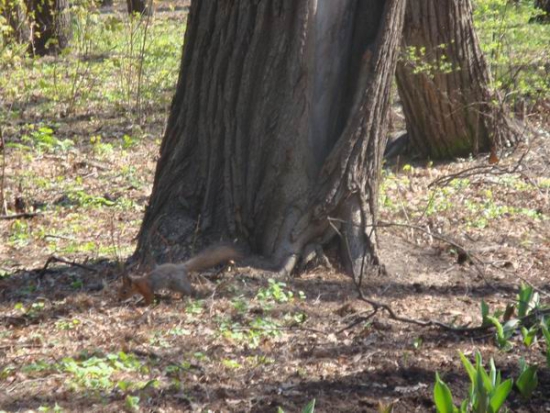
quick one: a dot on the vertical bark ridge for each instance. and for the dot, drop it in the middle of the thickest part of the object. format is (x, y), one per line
(51, 29)
(351, 170)
(448, 113)
(238, 150)
(242, 74)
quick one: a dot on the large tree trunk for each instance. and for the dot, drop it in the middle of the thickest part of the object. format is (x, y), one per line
(443, 81)
(15, 13)
(144, 7)
(544, 5)
(52, 29)
(276, 127)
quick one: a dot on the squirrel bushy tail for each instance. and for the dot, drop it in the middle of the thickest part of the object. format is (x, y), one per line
(211, 257)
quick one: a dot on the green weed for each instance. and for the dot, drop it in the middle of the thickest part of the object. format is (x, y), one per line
(487, 392)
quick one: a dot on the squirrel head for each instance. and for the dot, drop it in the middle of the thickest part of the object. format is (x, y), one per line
(127, 289)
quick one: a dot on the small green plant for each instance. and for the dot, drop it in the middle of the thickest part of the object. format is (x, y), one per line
(310, 408)
(91, 372)
(128, 141)
(240, 305)
(21, 234)
(529, 335)
(55, 409)
(385, 407)
(31, 311)
(529, 308)
(158, 340)
(252, 332)
(67, 324)
(417, 343)
(487, 392)
(177, 331)
(175, 369)
(43, 139)
(276, 291)
(504, 332)
(528, 300)
(195, 307)
(7, 372)
(231, 364)
(528, 380)
(132, 403)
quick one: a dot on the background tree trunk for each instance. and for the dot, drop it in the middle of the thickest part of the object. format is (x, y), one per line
(144, 7)
(443, 81)
(544, 5)
(15, 13)
(276, 126)
(52, 29)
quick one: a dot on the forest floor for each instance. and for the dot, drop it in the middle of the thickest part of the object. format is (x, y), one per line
(84, 163)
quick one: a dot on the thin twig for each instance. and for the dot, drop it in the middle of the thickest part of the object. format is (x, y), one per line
(2, 184)
(141, 59)
(486, 169)
(53, 258)
(422, 323)
(357, 321)
(22, 215)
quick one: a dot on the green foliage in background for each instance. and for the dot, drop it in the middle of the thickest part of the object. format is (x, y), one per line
(515, 46)
(115, 62)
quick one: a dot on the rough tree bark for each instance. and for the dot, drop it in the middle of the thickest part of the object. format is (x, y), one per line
(15, 13)
(443, 81)
(52, 29)
(276, 127)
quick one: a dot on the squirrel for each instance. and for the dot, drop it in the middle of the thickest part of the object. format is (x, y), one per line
(175, 277)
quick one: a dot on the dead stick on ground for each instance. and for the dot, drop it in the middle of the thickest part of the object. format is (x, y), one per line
(53, 258)
(22, 215)
(357, 321)
(487, 169)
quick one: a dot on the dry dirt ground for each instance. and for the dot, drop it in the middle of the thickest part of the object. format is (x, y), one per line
(253, 346)
(247, 348)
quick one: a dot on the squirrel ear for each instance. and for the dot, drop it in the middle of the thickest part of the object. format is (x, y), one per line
(126, 280)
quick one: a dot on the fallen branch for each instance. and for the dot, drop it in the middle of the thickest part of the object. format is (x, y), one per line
(53, 258)
(357, 321)
(466, 173)
(486, 169)
(376, 305)
(22, 215)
